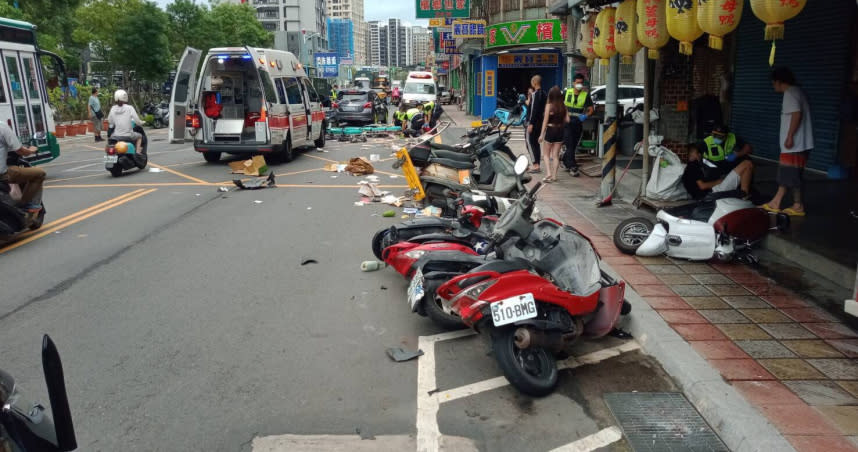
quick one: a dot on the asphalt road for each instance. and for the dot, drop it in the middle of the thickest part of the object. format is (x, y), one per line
(186, 321)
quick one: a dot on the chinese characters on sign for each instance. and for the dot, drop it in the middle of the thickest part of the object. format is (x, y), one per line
(527, 60)
(441, 22)
(546, 31)
(469, 29)
(327, 64)
(490, 83)
(428, 9)
(651, 22)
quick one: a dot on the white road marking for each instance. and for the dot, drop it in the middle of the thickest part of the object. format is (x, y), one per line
(595, 441)
(81, 168)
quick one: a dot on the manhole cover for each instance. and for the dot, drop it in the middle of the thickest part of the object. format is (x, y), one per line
(662, 421)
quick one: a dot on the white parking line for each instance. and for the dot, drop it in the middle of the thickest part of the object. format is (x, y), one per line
(595, 441)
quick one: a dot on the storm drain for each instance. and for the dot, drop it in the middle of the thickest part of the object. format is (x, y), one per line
(662, 421)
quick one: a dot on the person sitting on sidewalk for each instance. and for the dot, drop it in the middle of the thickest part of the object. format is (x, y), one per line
(702, 177)
(725, 149)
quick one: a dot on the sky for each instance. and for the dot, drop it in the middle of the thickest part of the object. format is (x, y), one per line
(373, 10)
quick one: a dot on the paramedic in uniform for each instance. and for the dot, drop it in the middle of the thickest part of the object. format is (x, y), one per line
(580, 107)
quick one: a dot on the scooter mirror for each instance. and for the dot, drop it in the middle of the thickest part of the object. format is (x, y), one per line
(55, 381)
(521, 165)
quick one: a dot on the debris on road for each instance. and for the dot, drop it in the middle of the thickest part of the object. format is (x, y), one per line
(410, 210)
(307, 260)
(395, 201)
(399, 354)
(430, 211)
(223, 189)
(336, 167)
(369, 190)
(364, 435)
(371, 266)
(155, 170)
(359, 166)
(257, 201)
(389, 214)
(256, 166)
(255, 184)
(374, 157)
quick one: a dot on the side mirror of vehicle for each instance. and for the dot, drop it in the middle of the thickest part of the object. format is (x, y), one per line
(520, 165)
(55, 380)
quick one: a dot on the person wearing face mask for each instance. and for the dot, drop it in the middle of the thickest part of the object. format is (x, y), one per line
(725, 149)
(580, 106)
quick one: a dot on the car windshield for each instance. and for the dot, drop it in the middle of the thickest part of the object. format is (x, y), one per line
(354, 97)
(419, 88)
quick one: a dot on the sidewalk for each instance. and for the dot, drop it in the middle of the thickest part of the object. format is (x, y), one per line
(795, 364)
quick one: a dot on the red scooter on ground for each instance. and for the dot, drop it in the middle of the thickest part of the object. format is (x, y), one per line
(546, 291)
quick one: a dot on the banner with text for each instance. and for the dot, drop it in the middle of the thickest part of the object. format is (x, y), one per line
(428, 9)
(523, 32)
(327, 64)
(441, 22)
(519, 60)
(463, 29)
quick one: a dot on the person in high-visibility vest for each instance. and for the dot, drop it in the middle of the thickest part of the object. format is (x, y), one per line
(399, 115)
(334, 92)
(724, 148)
(413, 123)
(580, 106)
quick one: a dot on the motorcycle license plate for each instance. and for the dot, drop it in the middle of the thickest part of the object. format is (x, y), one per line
(111, 158)
(415, 289)
(514, 309)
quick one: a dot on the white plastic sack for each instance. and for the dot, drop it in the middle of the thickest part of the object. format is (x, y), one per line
(638, 115)
(665, 183)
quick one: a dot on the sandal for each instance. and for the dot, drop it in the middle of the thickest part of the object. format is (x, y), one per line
(547, 180)
(769, 208)
(794, 213)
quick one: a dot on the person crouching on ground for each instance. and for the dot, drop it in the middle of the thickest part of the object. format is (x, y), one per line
(727, 151)
(702, 177)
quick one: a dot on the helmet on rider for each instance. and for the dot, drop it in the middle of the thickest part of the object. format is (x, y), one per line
(120, 96)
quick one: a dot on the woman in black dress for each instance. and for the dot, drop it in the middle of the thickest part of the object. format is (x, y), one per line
(556, 117)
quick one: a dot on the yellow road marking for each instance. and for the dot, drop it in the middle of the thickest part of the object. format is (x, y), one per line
(74, 178)
(153, 184)
(179, 173)
(83, 211)
(43, 232)
(320, 158)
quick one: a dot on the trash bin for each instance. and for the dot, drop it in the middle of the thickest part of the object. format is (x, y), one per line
(629, 134)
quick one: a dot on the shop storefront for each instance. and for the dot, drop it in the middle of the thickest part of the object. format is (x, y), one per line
(514, 53)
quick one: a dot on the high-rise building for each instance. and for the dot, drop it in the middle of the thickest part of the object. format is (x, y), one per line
(373, 43)
(352, 10)
(299, 26)
(421, 45)
(341, 38)
(390, 44)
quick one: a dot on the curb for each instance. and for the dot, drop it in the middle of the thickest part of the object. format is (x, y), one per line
(737, 423)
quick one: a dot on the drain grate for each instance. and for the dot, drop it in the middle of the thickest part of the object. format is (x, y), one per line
(662, 421)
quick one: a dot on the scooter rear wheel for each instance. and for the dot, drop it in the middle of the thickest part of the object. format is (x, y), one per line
(116, 171)
(631, 233)
(532, 371)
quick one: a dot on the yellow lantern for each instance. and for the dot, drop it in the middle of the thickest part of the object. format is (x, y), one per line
(652, 26)
(682, 24)
(774, 13)
(718, 18)
(626, 31)
(586, 40)
(603, 35)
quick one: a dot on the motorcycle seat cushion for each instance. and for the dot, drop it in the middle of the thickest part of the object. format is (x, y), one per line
(452, 155)
(457, 164)
(504, 266)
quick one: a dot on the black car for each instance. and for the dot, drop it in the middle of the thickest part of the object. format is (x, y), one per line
(354, 107)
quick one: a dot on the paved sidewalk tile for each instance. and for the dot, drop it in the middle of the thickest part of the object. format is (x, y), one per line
(653, 290)
(681, 316)
(837, 369)
(791, 369)
(700, 332)
(767, 289)
(808, 315)
(695, 269)
(741, 369)
(730, 268)
(799, 420)
(710, 302)
(845, 418)
(812, 348)
(767, 392)
(653, 260)
(664, 269)
(691, 290)
(718, 350)
(723, 316)
(613, 261)
(831, 330)
(671, 280)
(815, 443)
(746, 302)
(711, 278)
(784, 301)
(765, 315)
(727, 289)
(851, 386)
(821, 392)
(787, 331)
(749, 278)
(739, 332)
(674, 302)
(765, 349)
(848, 347)
(641, 279)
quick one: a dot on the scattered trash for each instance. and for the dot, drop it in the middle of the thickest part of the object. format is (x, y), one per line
(256, 184)
(359, 166)
(393, 176)
(369, 190)
(371, 266)
(223, 189)
(374, 157)
(383, 288)
(405, 217)
(393, 200)
(155, 170)
(372, 178)
(336, 167)
(410, 210)
(430, 211)
(306, 260)
(309, 208)
(389, 214)
(399, 354)
(333, 177)
(359, 203)
(256, 166)
(257, 201)
(83, 236)
(196, 194)
(364, 435)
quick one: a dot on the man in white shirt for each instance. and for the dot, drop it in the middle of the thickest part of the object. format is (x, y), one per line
(796, 141)
(122, 118)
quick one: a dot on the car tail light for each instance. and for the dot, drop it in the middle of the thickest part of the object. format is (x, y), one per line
(193, 120)
(335, 105)
(367, 105)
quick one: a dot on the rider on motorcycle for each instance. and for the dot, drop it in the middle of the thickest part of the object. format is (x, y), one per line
(122, 119)
(30, 179)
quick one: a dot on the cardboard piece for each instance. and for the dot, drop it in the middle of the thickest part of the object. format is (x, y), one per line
(256, 166)
(369, 190)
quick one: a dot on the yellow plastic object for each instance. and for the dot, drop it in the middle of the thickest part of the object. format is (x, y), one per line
(719, 19)
(603, 35)
(475, 124)
(586, 39)
(652, 26)
(626, 31)
(410, 174)
(774, 13)
(682, 24)
(121, 147)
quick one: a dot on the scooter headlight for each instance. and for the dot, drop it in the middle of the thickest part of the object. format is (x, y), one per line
(415, 254)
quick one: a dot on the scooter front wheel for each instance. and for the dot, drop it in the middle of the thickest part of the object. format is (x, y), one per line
(380, 241)
(532, 371)
(631, 233)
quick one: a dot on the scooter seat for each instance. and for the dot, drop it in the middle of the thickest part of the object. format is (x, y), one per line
(504, 266)
(452, 155)
(456, 164)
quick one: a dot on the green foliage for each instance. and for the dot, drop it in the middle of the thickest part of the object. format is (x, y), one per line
(230, 25)
(144, 46)
(148, 119)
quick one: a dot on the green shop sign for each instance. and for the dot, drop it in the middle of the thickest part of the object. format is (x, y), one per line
(523, 32)
(430, 9)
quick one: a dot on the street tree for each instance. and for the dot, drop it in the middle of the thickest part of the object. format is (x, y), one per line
(144, 47)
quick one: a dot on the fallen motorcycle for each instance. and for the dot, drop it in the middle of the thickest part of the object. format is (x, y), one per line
(724, 229)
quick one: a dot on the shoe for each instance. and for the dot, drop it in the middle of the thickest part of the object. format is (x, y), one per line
(574, 172)
(769, 208)
(794, 213)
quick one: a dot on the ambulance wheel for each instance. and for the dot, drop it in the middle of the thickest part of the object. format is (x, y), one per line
(320, 143)
(631, 233)
(211, 157)
(287, 153)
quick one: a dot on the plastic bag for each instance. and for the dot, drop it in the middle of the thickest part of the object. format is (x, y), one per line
(665, 183)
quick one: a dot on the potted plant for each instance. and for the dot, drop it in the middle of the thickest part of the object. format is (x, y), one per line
(57, 106)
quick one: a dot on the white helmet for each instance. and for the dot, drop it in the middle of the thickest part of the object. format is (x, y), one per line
(120, 96)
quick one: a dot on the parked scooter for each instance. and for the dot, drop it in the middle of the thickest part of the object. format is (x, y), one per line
(26, 426)
(120, 154)
(546, 292)
(160, 112)
(725, 229)
(515, 116)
